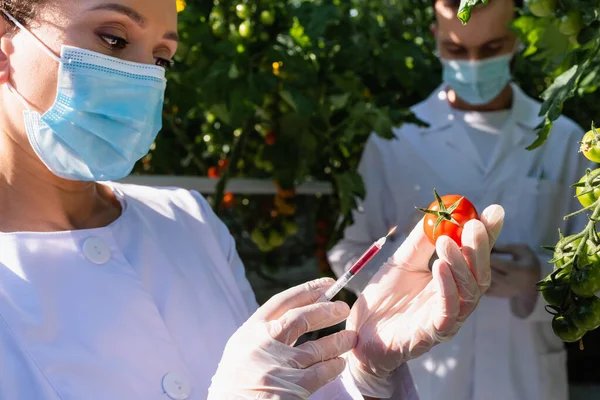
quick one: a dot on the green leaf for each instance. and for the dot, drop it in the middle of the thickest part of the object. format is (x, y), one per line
(295, 99)
(464, 11)
(383, 125)
(349, 186)
(339, 101)
(220, 110)
(561, 89)
(543, 131)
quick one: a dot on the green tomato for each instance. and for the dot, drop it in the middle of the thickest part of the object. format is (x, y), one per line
(590, 146)
(210, 118)
(267, 18)
(276, 239)
(571, 24)
(219, 29)
(590, 197)
(245, 29)
(564, 252)
(242, 11)
(587, 314)
(217, 13)
(564, 328)
(264, 36)
(585, 282)
(542, 8)
(555, 294)
(258, 238)
(291, 228)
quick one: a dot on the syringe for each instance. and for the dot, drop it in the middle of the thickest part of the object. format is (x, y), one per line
(355, 269)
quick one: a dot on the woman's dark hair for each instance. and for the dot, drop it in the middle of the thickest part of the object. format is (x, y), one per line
(22, 10)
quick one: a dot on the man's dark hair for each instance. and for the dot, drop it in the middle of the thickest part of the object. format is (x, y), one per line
(456, 3)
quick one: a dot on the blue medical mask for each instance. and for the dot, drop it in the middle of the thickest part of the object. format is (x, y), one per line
(480, 81)
(105, 117)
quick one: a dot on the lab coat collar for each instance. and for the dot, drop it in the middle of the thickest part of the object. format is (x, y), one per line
(436, 111)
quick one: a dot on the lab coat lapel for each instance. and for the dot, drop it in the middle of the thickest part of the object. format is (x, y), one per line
(444, 145)
(510, 152)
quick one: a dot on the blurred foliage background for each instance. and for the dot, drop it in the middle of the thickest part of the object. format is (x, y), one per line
(289, 91)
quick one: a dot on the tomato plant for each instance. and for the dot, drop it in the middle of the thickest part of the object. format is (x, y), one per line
(245, 29)
(586, 314)
(566, 249)
(590, 145)
(585, 281)
(242, 11)
(446, 216)
(555, 294)
(564, 328)
(267, 17)
(571, 23)
(586, 193)
(542, 8)
(213, 172)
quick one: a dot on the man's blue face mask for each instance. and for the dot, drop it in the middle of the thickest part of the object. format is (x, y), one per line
(479, 81)
(105, 118)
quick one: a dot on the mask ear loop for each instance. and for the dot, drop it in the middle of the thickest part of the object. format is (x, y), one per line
(42, 46)
(45, 48)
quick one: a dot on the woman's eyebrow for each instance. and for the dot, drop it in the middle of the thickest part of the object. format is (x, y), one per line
(133, 15)
(121, 9)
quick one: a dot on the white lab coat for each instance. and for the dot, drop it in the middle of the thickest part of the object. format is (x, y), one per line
(140, 309)
(496, 355)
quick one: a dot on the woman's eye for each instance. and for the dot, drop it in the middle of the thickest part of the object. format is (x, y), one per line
(164, 63)
(115, 42)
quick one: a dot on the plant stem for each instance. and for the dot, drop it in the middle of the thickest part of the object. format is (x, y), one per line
(236, 154)
(588, 232)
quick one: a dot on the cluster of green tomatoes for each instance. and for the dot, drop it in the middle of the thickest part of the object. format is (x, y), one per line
(571, 289)
(240, 21)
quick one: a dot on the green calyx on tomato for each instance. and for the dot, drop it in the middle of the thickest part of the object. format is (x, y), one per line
(585, 281)
(542, 8)
(590, 145)
(586, 193)
(565, 329)
(566, 248)
(555, 293)
(586, 314)
(245, 29)
(267, 18)
(446, 216)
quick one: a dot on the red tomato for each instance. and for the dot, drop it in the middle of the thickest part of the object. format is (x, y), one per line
(213, 172)
(452, 214)
(223, 164)
(228, 200)
(270, 138)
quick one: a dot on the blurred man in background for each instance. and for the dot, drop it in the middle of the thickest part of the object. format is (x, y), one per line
(480, 124)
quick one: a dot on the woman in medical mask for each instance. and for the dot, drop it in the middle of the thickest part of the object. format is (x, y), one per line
(111, 291)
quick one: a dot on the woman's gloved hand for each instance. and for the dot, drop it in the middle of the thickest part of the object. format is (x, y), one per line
(406, 308)
(259, 361)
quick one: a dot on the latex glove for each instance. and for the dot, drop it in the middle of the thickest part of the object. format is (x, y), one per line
(259, 361)
(514, 277)
(406, 308)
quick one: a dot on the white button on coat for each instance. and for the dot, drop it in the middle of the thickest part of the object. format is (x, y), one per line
(176, 386)
(96, 250)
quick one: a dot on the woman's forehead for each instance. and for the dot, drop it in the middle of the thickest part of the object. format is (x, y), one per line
(158, 13)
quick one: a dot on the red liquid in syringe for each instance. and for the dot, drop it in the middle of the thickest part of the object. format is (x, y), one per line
(366, 257)
(369, 254)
